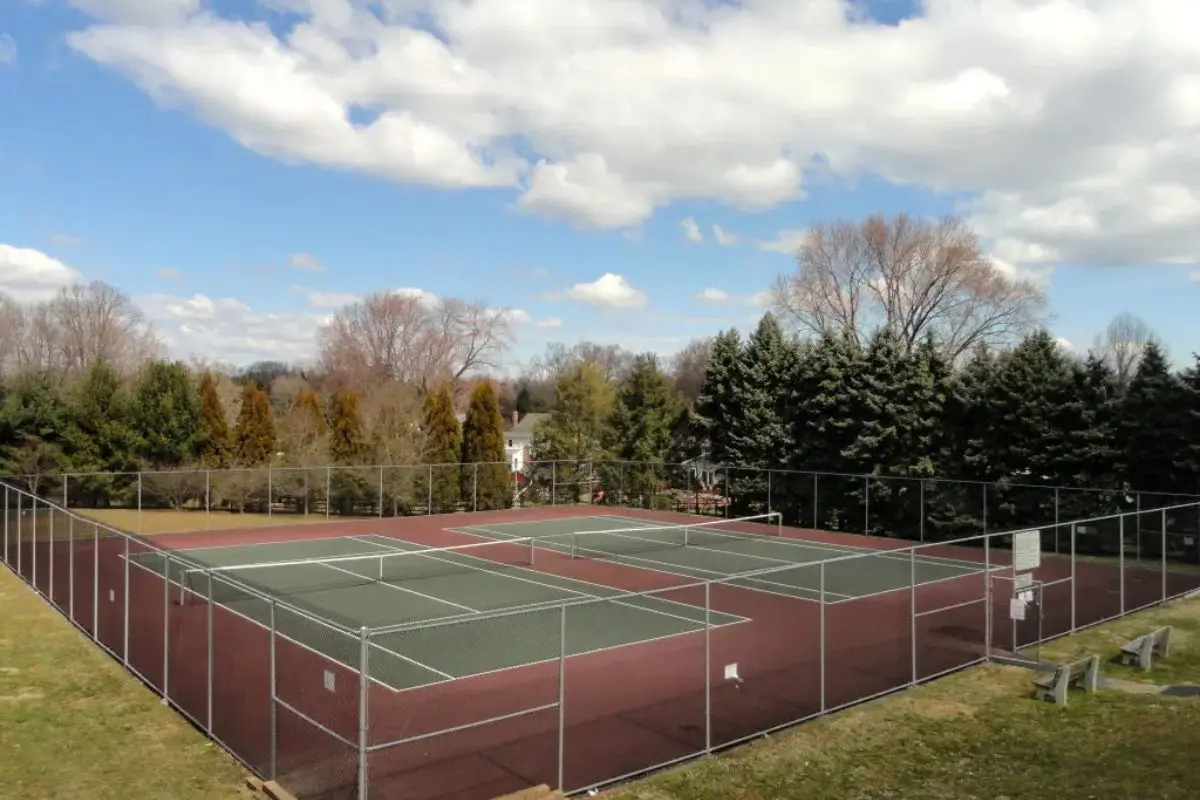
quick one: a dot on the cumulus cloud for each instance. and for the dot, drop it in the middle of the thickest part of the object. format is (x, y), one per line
(691, 230)
(29, 275)
(786, 241)
(608, 291)
(306, 262)
(8, 49)
(724, 237)
(713, 295)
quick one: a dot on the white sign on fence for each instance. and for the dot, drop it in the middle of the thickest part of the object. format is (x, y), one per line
(1022, 580)
(1027, 551)
(1016, 609)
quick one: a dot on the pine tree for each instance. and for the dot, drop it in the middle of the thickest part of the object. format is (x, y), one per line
(567, 444)
(213, 440)
(98, 436)
(347, 435)
(32, 421)
(1088, 457)
(166, 414)
(719, 403)
(639, 432)
(488, 482)
(1151, 419)
(254, 433)
(443, 447)
(1188, 464)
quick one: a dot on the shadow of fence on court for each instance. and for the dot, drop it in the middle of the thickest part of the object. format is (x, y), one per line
(334, 711)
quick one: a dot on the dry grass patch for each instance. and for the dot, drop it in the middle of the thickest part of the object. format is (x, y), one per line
(153, 522)
(75, 726)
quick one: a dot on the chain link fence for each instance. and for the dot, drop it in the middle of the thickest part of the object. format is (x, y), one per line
(330, 710)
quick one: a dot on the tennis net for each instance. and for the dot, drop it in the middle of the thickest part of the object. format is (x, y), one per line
(653, 538)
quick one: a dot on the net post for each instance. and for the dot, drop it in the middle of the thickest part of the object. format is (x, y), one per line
(166, 600)
(272, 772)
(363, 723)
(779, 524)
(708, 666)
(139, 502)
(475, 487)
(65, 479)
(125, 634)
(209, 653)
(20, 535)
(821, 631)
(532, 549)
(33, 554)
(921, 507)
(816, 501)
(562, 693)
(867, 504)
(270, 489)
(553, 483)
(207, 499)
(1074, 583)
(768, 491)
(912, 608)
(328, 490)
(429, 490)
(70, 564)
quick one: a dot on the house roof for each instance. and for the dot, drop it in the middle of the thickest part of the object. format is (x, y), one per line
(525, 426)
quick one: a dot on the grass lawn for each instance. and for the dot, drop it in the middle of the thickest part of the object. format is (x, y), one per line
(73, 724)
(978, 735)
(159, 521)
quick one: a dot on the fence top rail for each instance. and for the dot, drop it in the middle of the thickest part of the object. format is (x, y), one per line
(727, 468)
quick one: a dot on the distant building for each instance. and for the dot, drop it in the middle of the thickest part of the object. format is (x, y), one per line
(518, 438)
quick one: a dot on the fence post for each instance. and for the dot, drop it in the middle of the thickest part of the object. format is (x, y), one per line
(708, 666)
(125, 633)
(816, 503)
(381, 491)
(20, 534)
(821, 631)
(987, 597)
(208, 603)
(328, 491)
(364, 683)
(1055, 520)
(912, 607)
(1073, 582)
(429, 489)
(985, 499)
(65, 478)
(270, 489)
(274, 705)
(6, 561)
(50, 554)
(166, 681)
(728, 499)
(921, 509)
(33, 516)
(867, 500)
(1163, 551)
(562, 694)
(306, 491)
(1121, 558)
(475, 487)
(768, 491)
(207, 499)
(139, 502)
(1137, 529)
(553, 483)
(96, 581)
(70, 565)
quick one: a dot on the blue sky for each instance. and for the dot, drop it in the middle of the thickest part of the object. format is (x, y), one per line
(197, 162)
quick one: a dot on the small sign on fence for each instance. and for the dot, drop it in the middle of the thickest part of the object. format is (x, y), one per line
(1027, 551)
(1016, 609)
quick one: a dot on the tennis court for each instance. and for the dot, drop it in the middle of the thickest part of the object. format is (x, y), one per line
(441, 614)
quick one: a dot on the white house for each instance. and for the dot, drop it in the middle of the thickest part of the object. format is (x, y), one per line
(519, 438)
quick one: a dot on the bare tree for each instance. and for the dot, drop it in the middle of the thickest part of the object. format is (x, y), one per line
(400, 337)
(98, 324)
(1122, 343)
(913, 276)
(12, 329)
(688, 367)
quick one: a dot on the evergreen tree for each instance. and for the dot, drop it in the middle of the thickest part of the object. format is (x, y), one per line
(443, 446)
(524, 400)
(254, 433)
(212, 441)
(1188, 465)
(489, 484)
(32, 421)
(347, 435)
(823, 403)
(166, 414)
(1088, 458)
(639, 432)
(719, 404)
(1152, 416)
(566, 444)
(98, 436)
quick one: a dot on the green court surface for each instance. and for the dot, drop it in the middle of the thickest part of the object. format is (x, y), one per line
(453, 592)
(712, 550)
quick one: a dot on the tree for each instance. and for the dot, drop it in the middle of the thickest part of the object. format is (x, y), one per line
(912, 276)
(1122, 344)
(212, 441)
(31, 427)
(688, 367)
(254, 434)
(303, 430)
(639, 431)
(490, 481)
(1188, 464)
(1088, 458)
(411, 338)
(443, 447)
(575, 434)
(347, 436)
(98, 436)
(719, 403)
(1152, 418)
(166, 414)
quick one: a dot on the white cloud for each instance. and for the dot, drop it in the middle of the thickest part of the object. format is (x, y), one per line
(306, 262)
(427, 298)
(29, 275)
(759, 299)
(8, 49)
(1194, 277)
(712, 295)
(550, 323)
(331, 300)
(1064, 344)
(786, 241)
(608, 291)
(691, 230)
(166, 273)
(723, 237)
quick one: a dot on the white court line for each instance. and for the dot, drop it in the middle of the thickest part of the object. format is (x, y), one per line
(400, 589)
(309, 648)
(809, 544)
(725, 578)
(248, 545)
(561, 589)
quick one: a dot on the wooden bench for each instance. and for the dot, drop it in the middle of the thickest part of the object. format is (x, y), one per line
(1054, 685)
(1143, 649)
